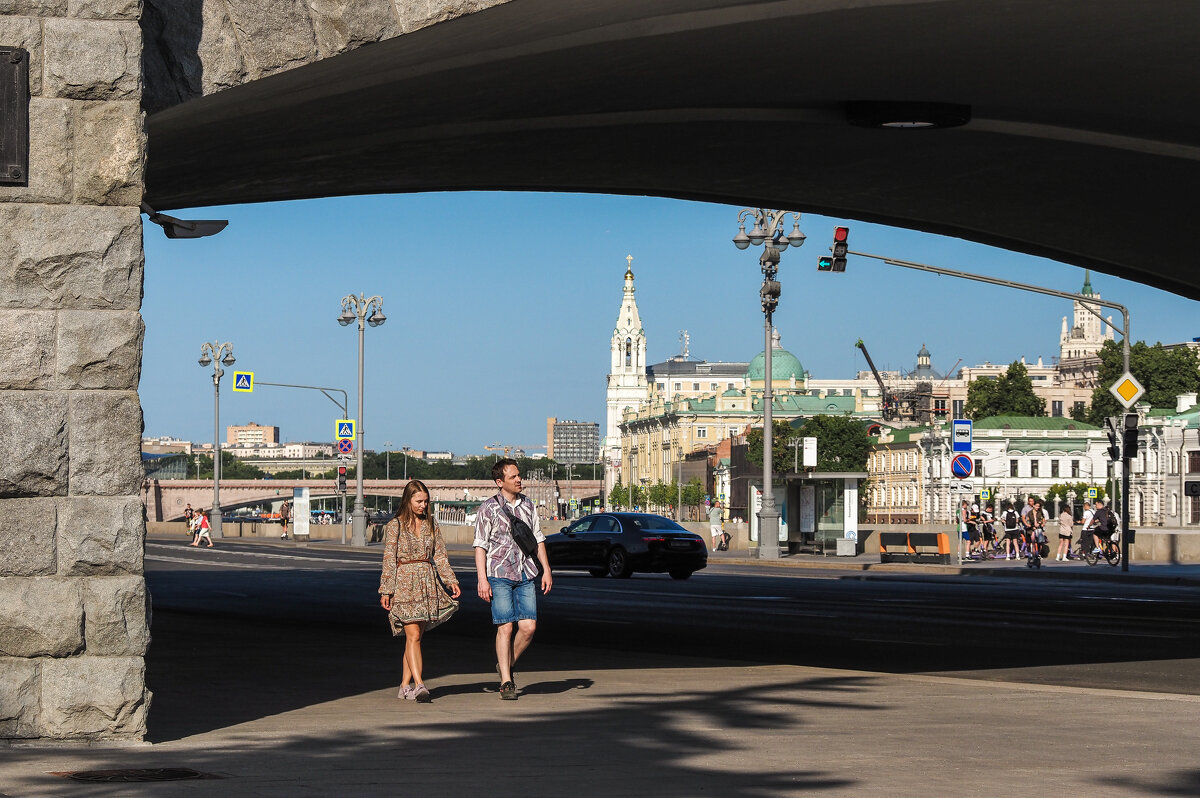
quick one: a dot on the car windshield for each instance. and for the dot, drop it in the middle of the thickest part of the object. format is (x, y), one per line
(654, 522)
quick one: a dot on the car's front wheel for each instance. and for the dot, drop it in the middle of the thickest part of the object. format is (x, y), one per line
(618, 564)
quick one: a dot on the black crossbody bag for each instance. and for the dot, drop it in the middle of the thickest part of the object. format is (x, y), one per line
(522, 535)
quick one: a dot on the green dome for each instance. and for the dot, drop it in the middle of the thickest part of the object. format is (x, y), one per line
(784, 365)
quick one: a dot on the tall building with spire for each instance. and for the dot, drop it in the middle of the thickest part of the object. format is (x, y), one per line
(1080, 342)
(626, 374)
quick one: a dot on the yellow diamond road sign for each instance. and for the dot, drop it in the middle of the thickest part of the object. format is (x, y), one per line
(1127, 390)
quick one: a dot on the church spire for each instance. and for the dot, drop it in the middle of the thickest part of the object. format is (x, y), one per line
(1087, 282)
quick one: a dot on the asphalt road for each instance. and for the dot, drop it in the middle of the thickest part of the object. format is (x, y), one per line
(1078, 633)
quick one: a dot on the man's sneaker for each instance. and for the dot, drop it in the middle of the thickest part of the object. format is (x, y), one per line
(508, 691)
(1096, 550)
(514, 675)
(421, 694)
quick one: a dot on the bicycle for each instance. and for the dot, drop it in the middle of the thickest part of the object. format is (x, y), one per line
(1110, 550)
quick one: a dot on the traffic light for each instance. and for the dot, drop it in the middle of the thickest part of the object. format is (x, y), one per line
(341, 485)
(841, 243)
(1114, 440)
(1130, 436)
(825, 263)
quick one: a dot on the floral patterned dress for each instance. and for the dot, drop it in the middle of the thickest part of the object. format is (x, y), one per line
(409, 577)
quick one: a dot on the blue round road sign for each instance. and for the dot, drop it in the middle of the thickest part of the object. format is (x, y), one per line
(961, 466)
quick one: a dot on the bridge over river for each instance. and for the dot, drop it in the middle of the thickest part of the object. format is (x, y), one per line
(165, 499)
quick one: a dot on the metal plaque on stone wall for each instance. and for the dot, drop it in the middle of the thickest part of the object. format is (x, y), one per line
(14, 116)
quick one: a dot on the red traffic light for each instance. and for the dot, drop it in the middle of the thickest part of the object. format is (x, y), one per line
(341, 471)
(841, 233)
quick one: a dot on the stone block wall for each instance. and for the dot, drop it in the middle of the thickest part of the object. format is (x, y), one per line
(196, 49)
(73, 605)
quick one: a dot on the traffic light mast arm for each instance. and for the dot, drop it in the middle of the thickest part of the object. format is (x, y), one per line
(344, 404)
(1083, 298)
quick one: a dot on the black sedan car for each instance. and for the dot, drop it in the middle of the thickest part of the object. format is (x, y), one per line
(617, 544)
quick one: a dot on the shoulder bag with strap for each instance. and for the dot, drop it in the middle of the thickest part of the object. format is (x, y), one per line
(521, 533)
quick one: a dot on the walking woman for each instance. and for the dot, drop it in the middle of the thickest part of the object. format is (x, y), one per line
(415, 581)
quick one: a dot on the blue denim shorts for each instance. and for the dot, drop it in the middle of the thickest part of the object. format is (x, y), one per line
(513, 600)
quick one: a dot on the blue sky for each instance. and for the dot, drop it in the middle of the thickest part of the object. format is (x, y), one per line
(500, 308)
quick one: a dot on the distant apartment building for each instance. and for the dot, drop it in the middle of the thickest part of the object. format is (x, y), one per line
(307, 450)
(256, 450)
(165, 444)
(572, 441)
(251, 433)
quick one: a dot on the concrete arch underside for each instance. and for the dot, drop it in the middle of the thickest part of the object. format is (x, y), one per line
(1083, 143)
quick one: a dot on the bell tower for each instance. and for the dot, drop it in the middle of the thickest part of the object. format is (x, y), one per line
(626, 374)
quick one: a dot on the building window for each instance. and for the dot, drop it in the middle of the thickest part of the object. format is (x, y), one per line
(730, 386)
(732, 431)
(662, 386)
(1053, 468)
(939, 407)
(1012, 468)
(628, 352)
(712, 386)
(677, 386)
(958, 408)
(695, 386)
(979, 468)
(1074, 469)
(1056, 409)
(1033, 468)
(701, 432)
(1193, 462)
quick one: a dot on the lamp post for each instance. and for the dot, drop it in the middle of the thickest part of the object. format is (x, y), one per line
(215, 354)
(387, 460)
(359, 307)
(768, 231)
(405, 448)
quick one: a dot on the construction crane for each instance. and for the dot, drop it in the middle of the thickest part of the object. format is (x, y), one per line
(885, 396)
(506, 448)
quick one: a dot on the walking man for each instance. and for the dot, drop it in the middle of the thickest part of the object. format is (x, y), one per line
(715, 524)
(505, 575)
(285, 515)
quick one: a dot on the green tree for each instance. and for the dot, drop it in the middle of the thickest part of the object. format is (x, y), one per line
(1009, 395)
(842, 442)
(619, 496)
(693, 493)
(231, 468)
(663, 494)
(1164, 373)
(782, 436)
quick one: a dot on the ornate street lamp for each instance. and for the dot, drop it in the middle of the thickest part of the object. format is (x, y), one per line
(768, 232)
(215, 354)
(367, 311)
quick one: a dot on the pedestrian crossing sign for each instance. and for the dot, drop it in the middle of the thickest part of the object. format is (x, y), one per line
(243, 381)
(1091, 493)
(344, 429)
(985, 494)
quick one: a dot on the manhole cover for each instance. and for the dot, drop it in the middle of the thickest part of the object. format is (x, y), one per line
(136, 774)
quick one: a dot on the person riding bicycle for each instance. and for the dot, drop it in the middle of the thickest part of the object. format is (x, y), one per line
(1104, 524)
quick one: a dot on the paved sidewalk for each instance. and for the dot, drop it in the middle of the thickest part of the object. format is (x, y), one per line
(288, 710)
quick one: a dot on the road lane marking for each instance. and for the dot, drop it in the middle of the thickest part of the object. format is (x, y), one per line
(220, 563)
(275, 556)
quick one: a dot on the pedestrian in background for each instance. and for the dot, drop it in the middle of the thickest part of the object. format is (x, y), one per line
(1085, 528)
(202, 529)
(418, 587)
(1066, 522)
(716, 524)
(285, 515)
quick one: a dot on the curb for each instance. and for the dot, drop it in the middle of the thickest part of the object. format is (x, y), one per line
(846, 565)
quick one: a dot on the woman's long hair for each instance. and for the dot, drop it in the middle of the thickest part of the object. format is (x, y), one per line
(404, 514)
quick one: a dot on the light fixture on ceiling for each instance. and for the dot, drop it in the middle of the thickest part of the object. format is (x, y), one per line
(906, 115)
